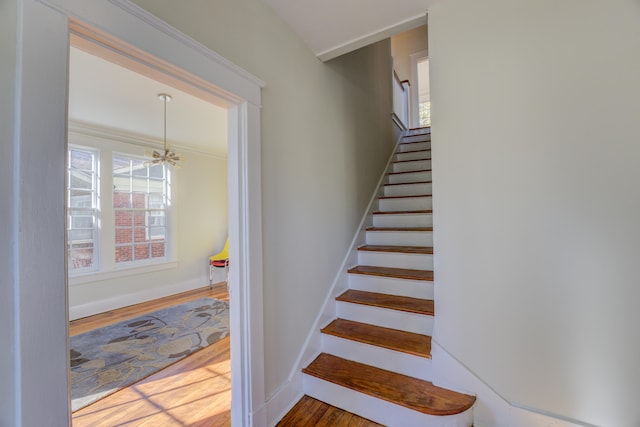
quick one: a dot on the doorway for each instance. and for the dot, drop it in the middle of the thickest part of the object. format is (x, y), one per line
(42, 139)
(140, 233)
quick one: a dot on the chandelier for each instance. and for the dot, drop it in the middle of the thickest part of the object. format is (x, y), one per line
(166, 156)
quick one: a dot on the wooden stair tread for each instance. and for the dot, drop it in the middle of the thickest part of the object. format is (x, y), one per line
(398, 273)
(408, 229)
(424, 250)
(409, 392)
(312, 412)
(408, 183)
(405, 197)
(415, 142)
(392, 339)
(411, 151)
(393, 302)
(412, 160)
(406, 172)
(423, 211)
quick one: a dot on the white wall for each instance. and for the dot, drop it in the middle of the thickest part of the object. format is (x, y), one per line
(8, 34)
(325, 140)
(199, 217)
(535, 129)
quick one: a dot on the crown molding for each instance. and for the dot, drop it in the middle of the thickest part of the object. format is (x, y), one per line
(103, 132)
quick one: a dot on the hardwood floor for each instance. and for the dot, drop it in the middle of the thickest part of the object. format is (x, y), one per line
(195, 391)
(310, 412)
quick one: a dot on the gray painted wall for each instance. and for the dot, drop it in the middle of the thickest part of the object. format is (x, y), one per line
(326, 136)
(536, 171)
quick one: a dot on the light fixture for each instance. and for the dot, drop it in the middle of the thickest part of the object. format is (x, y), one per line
(167, 156)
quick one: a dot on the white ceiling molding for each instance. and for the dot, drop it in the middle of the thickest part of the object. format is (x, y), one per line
(119, 135)
(331, 28)
(368, 39)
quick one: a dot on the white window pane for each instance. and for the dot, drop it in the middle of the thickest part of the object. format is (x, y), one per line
(140, 195)
(82, 214)
(81, 179)
(81, 160)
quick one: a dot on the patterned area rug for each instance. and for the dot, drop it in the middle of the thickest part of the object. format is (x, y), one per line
(107, 359)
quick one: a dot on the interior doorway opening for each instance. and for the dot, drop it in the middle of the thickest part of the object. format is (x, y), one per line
(140, 233)
(41, 383)
(410, 51)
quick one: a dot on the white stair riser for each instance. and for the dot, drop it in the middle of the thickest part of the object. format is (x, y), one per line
(416, 146)
(391, 285)
(403, 220)
(414, 155)
(410, 177)
(416, 138)
(380, 411)
(400, 238)
(395, 361)
(405, 204)
(415, 165)
(396, 260)
(407, 189)
(387, 318)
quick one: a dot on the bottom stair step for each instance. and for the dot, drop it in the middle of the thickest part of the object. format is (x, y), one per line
(312, 412)
(418, 395)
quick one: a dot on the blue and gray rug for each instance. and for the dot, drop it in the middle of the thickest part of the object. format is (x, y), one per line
(107, 359)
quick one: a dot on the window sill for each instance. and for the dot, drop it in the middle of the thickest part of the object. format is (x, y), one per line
(118, 272)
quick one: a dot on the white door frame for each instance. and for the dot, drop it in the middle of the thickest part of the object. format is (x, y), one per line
(40, 143)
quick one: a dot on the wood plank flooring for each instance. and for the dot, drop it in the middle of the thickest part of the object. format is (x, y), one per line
(195, 391)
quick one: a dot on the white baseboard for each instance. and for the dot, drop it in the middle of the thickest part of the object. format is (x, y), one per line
(125, 300)
(284, 399)
(490, 409)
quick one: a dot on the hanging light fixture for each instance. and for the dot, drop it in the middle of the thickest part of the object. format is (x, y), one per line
(167, 156)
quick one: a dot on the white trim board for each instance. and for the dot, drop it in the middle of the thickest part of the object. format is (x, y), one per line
(41, 293)
(100, 306)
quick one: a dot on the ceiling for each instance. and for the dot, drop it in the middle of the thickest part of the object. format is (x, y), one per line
(333, 27)
(109, 96)
(113, 98)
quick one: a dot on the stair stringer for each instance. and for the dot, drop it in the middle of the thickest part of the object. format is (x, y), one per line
(490, 409)
(287, 395)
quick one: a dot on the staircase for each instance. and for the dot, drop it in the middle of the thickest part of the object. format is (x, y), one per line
(376, 356)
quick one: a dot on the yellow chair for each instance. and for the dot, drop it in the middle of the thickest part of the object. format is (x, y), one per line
(220, 260)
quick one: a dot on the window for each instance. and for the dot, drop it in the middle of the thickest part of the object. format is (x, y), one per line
(82, 209)
(117, 210)
(140, 203)
(424, 102)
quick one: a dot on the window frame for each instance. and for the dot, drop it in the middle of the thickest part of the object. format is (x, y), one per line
(166, 201)
(107, 144)
(94, 209)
